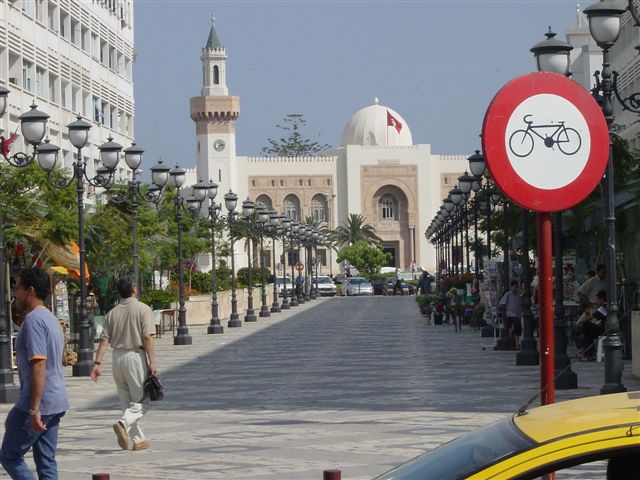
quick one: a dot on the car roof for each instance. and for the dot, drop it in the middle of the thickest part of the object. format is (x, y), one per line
(584, 414)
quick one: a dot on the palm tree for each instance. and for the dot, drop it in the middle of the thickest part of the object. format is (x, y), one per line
(355, 230)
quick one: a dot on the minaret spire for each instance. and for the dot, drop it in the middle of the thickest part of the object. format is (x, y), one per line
(214, 63)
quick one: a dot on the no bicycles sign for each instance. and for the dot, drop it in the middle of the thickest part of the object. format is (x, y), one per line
(546, 141)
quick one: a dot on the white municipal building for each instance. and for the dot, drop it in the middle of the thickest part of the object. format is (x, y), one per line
(377, 170)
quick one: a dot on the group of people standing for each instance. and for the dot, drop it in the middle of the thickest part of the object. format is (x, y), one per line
(34, 420)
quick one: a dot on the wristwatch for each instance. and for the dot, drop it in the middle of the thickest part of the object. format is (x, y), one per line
(32, 412)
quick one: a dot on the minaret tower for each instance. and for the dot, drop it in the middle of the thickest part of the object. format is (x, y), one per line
(215, 113)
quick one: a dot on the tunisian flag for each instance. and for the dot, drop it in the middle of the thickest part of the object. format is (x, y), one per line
(393, 122)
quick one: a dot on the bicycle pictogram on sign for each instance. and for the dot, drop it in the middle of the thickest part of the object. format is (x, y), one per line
(522, 141)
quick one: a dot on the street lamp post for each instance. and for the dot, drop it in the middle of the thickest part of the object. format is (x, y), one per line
(299, 239)
(604, 25)
(109, 156)
(35, 129)
(309, 274)
(193, 203)
(528, 354)
(293, 231)
(248, 208)
(215, 325)
(286, 227)
(263, 218)
(565, 378)
(274, 220)
(230, 203)
(160, 176)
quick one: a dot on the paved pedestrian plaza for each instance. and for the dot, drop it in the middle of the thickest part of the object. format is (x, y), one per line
(356, 384)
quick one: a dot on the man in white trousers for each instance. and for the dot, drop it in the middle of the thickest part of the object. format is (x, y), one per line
(129, 328)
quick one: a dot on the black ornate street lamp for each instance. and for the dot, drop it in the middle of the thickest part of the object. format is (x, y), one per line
(215, 325)
(604, 25)
(274, 223)
(134, 194)
(230, 203)
(248, 208)
(109, 156)
(192, 205)
(293, 232)
(262, 220)
(286, 233)
(306, 239)
(33, 129)
(528, 354)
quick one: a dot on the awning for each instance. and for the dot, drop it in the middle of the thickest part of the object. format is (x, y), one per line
(65, 257)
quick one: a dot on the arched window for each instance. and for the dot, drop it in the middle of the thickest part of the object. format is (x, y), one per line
(291, 207)
(216, 75)
(388, 208)
(319, 209)
(265, 200)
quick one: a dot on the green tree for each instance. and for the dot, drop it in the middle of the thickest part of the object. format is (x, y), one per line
(355, 230)
(294, 144)
(366, 258)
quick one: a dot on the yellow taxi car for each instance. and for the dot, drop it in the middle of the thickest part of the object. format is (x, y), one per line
(539, 441)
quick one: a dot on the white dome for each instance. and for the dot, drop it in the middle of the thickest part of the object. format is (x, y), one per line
(376, 125)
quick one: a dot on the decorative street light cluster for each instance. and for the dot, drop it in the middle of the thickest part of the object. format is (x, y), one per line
(553, 56)
(258, 219)
(449, 229)
(33, 127)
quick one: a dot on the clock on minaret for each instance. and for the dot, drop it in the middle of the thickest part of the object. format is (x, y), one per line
(219, 145)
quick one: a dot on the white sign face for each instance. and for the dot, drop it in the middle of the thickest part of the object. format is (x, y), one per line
(547, 141)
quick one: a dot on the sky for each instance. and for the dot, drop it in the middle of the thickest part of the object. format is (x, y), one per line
(437, 63)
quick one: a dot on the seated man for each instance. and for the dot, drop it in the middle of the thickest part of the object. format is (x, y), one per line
(592, 324)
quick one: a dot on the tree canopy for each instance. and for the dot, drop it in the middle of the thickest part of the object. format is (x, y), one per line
(293, 143)
(354, 230)
(368, 259)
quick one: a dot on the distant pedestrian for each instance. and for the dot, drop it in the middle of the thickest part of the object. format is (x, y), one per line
(513, 315)
(129, 328)
(397, 287)
(299, 284)
(591, 325)
(34, 421)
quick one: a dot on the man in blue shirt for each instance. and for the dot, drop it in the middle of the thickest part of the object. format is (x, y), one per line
(34, 420)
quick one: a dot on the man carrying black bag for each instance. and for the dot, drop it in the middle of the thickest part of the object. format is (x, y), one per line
(129, 328)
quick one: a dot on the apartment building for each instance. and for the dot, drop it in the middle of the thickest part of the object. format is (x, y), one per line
(70, 58)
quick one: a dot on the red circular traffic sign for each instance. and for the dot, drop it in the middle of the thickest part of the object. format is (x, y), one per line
(546, 141)
(299, 266)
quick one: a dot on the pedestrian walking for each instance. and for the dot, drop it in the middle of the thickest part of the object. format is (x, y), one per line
(424, 283)
(397, 287)
(129, 328)
(34, 421)
(513, 315)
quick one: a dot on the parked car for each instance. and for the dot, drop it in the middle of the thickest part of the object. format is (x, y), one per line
(407, 289)
(281, 284)
(356, 286)
(533, 443)
(379, 286)
(325, 286)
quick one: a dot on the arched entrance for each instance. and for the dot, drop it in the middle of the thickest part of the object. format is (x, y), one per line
(389, 215)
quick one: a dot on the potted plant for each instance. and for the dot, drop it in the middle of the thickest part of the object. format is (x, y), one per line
(425, 303)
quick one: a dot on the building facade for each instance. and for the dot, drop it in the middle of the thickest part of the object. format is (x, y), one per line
(377, 171)
(70, 58)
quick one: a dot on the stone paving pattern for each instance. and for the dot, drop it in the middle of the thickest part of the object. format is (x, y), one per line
(356, 384)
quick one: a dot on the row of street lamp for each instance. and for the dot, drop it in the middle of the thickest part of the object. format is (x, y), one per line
(266, 222)
(552, 55)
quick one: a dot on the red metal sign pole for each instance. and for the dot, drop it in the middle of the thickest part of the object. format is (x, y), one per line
(545, 290)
